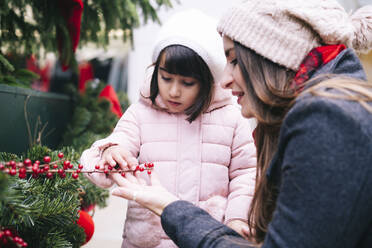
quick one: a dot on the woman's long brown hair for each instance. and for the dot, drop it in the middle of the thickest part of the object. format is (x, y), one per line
(271, 96)
(270, 93)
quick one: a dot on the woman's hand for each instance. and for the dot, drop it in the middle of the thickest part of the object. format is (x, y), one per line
(154, 197)
(117, 155)
(240, 227)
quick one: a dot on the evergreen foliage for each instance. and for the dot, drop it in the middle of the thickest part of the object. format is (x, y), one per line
(15, 77)
(92, 119)
(27, 26)
(44, 211)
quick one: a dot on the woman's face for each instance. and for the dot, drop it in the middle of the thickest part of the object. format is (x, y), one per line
(233, 78)
(177, 92)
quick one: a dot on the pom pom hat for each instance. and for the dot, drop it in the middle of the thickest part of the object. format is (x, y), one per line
(196, 30)
(285, 31)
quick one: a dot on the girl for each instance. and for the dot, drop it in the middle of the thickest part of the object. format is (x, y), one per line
(293, 67)
(187, 125)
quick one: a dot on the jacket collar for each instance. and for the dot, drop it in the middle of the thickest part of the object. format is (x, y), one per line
(346, 63)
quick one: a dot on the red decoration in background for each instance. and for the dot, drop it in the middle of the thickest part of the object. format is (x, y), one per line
(85, 74)
(86, 222)
(43, 72)
(109, 93)
(71, 11)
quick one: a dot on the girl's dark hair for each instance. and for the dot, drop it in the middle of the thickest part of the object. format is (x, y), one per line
(184, 61)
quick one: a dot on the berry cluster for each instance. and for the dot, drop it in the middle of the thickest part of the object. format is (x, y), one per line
(36, 168)
(7, 236)
(109, 169)
(61, 167)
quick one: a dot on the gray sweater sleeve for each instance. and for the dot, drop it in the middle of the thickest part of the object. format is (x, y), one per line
(190, 227)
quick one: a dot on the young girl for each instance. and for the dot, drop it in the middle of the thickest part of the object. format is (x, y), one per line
(188, 126)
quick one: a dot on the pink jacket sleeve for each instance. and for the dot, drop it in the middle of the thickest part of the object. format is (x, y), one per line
(242, 172)
(126, 134)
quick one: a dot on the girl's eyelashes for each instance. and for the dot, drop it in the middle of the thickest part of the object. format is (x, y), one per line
(165, 78)
(188, 84)
(234, 61)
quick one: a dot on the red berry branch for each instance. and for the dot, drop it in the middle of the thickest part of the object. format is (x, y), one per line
(61, 167)
(6, 236)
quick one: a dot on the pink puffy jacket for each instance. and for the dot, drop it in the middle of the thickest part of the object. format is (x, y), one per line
(210, 162)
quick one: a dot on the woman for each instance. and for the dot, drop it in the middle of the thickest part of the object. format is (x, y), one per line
(292, 66)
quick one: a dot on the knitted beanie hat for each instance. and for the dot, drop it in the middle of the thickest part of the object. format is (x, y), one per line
(285, 31)
(197, 31)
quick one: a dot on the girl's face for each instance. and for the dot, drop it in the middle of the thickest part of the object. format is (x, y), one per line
(178, 92)
(233, 79)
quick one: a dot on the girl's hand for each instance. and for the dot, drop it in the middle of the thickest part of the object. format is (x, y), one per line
(153, 197)
(117, 155)
(240, 227)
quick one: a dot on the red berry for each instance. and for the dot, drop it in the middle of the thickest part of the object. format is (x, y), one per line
(105, 171)
(8, 233)
(27, 162)
(62, 175)
(20, 240)
(22, 170)
(2, 167)
(141, 169)
(66, 163)
(22, 175)
(60, 171)
(35, 175)
(55, 166)
(78, 171)
(97, 167)
(149, 172)
(80, 166)
(37, 162)
(137, 168)
(109, 167)
(13, 172)
(35, 168)
(24, 244)
(12, 163)
(46, 167)
(49, 175)
(123, 174)
(75, 175)
(46, 159)
(60, 155)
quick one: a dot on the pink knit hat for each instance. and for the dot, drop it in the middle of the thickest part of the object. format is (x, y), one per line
(285, 31)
